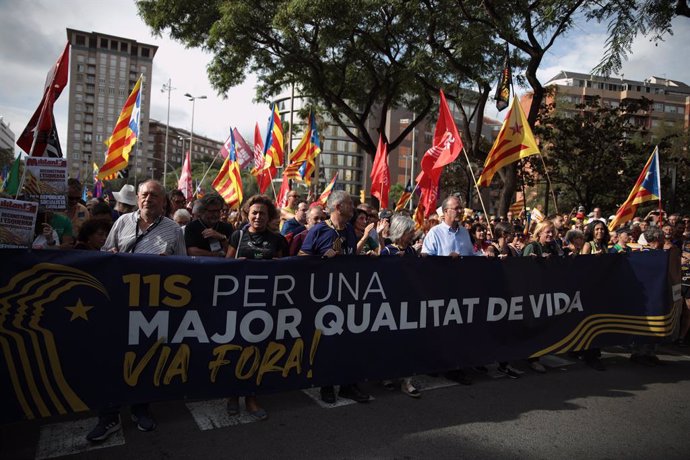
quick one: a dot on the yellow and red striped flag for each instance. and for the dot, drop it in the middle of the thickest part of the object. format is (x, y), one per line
(418, 217)
(515, 208)
(647, 188)
(228, 182)
(124, 135)
(514, 142)
(273, 147)
(323, 198)
(402, 201)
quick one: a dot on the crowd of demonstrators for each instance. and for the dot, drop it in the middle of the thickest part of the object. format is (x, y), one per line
(149, 222)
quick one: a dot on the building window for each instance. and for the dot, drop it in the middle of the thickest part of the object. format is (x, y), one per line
(113, 45)
(134, 50)
(77, 126)
(81, 40)
(76, 155)
(104, 43)
(92, 42)
(658, 107)
(144, 52)
(77, 136)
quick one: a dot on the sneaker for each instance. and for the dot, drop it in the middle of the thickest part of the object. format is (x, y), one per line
(144, 421)
(105, 427)
(508, 371)
(259, 415)
(354, 393)
(410, 390)
(537, 367)
(388, 385)
(328, 394)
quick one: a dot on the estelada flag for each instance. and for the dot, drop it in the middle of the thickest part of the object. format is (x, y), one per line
(647, 188)
(314, 149)
(402, 201)
(125, 134)
(514, 142)
(273, 147)
(380, 174)
(40, 132)
(503, 89)
(228, 182)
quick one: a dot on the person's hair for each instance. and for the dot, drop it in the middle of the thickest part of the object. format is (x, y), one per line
(176, 193)
(473, 229)
(182, 213)
(444, 204)
(209, 200)
(154, 182)
(356, 213)
(264, 200)
(573, 235)
(541, 227)
(589, 231)
(74, 183)
(91, 226)
(336, 197)
(503, 228)
(653, 234)
(400, 225)
(101, 208)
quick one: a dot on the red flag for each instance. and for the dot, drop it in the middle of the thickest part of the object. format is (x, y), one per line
(281, 199)
(263, 176)
(446, 148)
(258, 148)
(380, 174)
(39, 131)
(185, 182)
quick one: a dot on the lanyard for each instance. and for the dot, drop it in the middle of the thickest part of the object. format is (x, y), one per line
(139, 237)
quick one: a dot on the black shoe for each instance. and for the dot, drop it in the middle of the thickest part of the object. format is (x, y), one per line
(328, 395)
(595, 363)
(144, 420)
(354, 393)
(459, 376)
(508, 371)
(105, 427)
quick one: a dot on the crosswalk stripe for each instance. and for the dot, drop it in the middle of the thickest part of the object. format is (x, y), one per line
(68, 438)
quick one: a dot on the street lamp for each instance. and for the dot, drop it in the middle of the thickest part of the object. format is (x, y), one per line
(191, 132)
(166, 87)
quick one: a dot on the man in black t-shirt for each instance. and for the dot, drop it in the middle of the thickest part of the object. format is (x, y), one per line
(207, 235)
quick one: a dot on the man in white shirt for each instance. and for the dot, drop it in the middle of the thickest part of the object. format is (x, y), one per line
(449, 238)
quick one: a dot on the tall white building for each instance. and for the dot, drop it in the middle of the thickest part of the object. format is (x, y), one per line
(6, 136)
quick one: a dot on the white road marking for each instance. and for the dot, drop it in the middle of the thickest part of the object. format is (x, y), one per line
(426, 382)
(212, 414)
(68, 438)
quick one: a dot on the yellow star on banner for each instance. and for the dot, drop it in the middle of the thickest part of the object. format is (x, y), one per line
(79, 311)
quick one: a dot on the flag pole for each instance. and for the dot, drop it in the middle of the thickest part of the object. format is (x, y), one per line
(409, 198)
(548, 179)
(474, 180)
(201, 182)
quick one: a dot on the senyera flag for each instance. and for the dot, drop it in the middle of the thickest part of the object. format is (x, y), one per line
(323, 198)
(380, 174)
(313, 150)
(39, 138)
(124, 135)
(406, 195)
(514, 142)
(647, 188)
(228, 182)
(273, 147)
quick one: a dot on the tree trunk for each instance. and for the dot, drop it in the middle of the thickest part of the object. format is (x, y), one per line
(509, 186)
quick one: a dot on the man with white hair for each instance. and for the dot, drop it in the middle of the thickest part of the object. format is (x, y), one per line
(331, 238)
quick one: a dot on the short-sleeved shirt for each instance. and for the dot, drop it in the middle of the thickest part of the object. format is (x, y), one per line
(164, 236)
(442, 240)
(323, 236)
(62, 225)
(393, 250)
(193, 237)
(539, 249)
(292, 226)
(259, 245)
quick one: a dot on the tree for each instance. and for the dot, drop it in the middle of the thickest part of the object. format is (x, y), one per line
(358, 58)
(629, 18)
(532, 27)
(593, 154)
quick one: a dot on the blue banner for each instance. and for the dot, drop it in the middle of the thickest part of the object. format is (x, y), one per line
(81, 330)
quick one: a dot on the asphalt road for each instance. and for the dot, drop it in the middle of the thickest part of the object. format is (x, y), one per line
(627, 411)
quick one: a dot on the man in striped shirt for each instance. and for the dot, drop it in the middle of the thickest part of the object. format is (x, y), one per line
(144, 231)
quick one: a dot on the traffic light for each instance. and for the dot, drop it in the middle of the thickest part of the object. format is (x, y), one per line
(362, 197)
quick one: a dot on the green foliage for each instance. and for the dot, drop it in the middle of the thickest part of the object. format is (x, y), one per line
(594, 153)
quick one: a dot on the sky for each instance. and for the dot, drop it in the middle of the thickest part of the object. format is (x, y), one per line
(33, 34)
